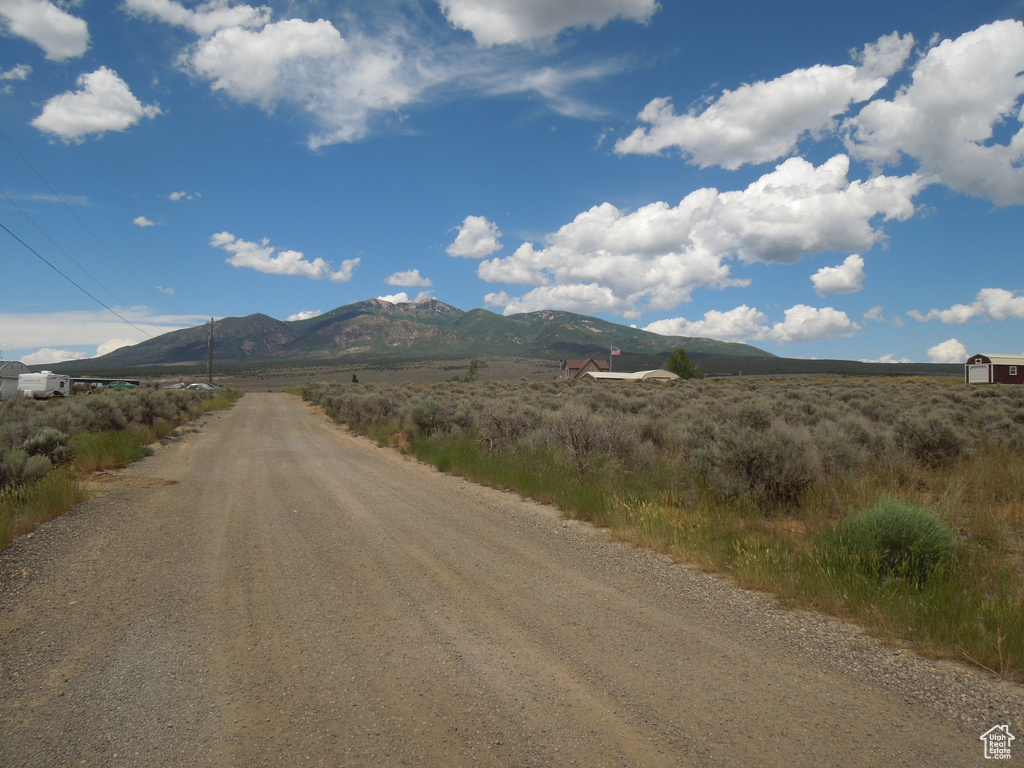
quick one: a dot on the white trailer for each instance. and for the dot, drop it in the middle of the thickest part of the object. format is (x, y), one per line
(43, 385)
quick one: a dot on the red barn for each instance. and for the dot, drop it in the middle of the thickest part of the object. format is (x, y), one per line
(994, 369)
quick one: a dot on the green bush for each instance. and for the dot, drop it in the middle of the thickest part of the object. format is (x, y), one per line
(894, 539)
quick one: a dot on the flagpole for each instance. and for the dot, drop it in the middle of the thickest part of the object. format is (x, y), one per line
(610, 347)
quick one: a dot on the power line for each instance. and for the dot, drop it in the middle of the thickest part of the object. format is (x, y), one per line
(51, 266)
(71, 258)
(79, 220)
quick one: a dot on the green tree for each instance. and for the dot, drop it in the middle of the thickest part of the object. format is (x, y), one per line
(680, 365)
(475, 366)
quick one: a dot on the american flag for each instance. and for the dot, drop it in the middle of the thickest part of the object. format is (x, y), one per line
(615, 351)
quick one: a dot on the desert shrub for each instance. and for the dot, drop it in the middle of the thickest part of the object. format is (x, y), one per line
(102, 413)
(893, 539)
(51, 443)
(931, 440)
(656, 430)
(12, 465)
(379, 408)
(838, 452)
(755, 414)
(144, 407)
(503, 425)
(870, 437)
(17, 466)
(431, 415)
(620, 437)
(578, 430)
(773, 466)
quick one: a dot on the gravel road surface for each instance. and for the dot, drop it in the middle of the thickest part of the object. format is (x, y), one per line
(270, 591)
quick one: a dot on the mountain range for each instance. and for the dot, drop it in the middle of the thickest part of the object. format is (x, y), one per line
(376, 329)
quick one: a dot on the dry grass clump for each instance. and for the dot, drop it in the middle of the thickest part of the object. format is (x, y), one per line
(761, 477)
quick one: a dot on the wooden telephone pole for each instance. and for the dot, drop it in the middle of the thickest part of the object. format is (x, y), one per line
(209, 356)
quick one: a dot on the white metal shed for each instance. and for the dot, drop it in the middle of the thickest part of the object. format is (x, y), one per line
(10, 370)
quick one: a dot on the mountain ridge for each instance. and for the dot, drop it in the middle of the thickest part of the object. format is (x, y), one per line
(376, 328)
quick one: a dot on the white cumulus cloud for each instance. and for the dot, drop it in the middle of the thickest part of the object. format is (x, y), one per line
(950, 351)
(888, 358)
(946, 119)
(304, 315)
(260, 256)
(654, 257)
(403, 297)
(740, 324)
(112, 344)
(142, 221)
(996, 304)
(764, 121)
(848, 277)
(47, 356)
(256, 65)
(205, 19)
(584, 298)
(103, 102)
(17, 72)
(60, 35)
(342, 82)
(347, 80)
(501, 22)
(91, 328)
(410, 278)
(477, 238)
(801, 323)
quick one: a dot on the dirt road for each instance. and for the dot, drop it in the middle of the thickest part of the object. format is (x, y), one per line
(272, 592)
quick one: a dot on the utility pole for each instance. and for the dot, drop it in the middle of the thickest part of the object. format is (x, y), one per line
(209, 356)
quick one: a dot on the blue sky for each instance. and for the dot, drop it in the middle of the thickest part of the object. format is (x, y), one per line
(839, 180)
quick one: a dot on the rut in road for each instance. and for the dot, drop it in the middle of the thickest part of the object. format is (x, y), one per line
(271, 591)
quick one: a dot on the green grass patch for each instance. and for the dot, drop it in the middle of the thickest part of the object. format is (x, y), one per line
(24, 508)
(108, 450)
(893, 540)
(222, 400)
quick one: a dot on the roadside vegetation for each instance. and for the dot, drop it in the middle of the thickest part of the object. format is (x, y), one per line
(45, 446)
(898, 502)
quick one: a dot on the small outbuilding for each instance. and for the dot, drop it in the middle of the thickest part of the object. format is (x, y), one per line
(10, 370)
(994, 369)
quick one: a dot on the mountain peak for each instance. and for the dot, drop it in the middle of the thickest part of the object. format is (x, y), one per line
(427, 328)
